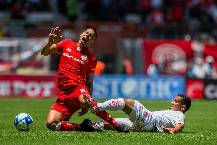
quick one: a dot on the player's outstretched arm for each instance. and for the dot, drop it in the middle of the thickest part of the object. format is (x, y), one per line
(50, 47)
(178, 128)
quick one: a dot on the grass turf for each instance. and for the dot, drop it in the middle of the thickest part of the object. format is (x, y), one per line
(200, 126)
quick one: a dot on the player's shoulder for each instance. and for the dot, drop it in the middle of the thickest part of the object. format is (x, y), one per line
(69, 43)
(179, 113)
(68, 40)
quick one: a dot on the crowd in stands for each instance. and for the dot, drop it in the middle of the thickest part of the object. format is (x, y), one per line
(168, 17)
(162, 19)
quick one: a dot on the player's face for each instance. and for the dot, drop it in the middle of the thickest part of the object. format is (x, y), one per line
(176, 104)
(88, 38)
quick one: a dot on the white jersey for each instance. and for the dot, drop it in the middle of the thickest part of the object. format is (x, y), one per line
(168, 119)
(141, 119)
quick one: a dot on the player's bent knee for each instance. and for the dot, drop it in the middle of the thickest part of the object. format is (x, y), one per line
(129, 103)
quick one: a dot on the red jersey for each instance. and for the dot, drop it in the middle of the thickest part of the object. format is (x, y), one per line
(74, 64)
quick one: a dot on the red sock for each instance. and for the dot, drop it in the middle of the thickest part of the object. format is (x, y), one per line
(107, 117)
(66, 126)
(103, 114)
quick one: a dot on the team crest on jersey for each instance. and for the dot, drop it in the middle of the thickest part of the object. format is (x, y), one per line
(69, 49)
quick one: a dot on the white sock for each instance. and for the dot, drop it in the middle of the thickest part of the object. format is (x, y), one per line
(58, 126)
(113, 104)
(98, 125)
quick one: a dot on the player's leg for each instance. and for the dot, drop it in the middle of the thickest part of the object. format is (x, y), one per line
(59, 115)
(54, 118)
(85, 99)
(126, 105)
(139, 114)
(133, 108)
(124, 122)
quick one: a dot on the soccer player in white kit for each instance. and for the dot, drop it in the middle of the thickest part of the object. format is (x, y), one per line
(141, 119)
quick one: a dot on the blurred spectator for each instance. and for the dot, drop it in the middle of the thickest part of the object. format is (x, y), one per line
(100, 67)
(153, 69)
(17, 9)
(3, 4)
(209, 67)
(38, 5)
(212, 10)
(196, 69)
(106, 10)
(160, 19)
(156, 17)
(156, 3)
(71, 6)
(127, 66)
(144, 8)
(177, 11)
(92, 9)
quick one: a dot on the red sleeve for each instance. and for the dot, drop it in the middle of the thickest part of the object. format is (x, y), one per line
(61, 44)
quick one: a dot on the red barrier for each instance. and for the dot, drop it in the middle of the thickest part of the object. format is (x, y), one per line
(28, 86)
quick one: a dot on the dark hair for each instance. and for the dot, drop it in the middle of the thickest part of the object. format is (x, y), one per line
(185, 101)
(93, 30)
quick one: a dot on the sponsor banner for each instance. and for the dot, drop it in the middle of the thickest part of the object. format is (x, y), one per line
(137, 87)
(210, 89)
(195, 88)
(170, 55)
(28, 86)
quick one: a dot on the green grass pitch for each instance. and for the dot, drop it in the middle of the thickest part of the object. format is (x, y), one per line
(200, 129)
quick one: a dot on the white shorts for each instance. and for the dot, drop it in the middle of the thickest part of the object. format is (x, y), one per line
(142, 118)
(128, 125)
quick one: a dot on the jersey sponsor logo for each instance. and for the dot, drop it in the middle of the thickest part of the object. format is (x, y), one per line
(74, 58)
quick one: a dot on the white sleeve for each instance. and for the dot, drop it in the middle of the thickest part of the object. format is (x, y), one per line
(180, 120)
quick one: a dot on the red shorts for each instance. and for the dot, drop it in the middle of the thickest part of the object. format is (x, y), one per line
(67, 102)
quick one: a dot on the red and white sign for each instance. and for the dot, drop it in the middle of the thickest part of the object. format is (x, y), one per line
(170, 55)
(28, 86)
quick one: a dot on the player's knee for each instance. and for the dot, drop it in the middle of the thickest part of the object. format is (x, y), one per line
(129, 103)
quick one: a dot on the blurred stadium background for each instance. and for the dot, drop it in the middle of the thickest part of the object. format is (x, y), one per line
(147, 49)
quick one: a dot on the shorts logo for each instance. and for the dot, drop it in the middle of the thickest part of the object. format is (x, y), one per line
(171, 58)
(82, 90)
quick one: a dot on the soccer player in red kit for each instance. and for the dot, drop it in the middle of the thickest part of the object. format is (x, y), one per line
(75, 78)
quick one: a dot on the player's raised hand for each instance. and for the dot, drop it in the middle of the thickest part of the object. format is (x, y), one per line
(55, 35)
